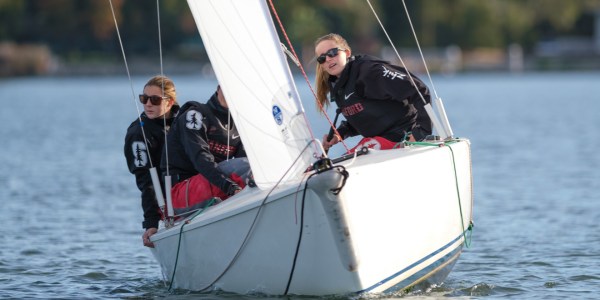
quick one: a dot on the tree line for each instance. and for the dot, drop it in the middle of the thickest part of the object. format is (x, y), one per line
(83, 30)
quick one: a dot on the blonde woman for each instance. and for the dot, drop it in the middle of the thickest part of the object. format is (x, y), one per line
(160, 106)
(376, 98)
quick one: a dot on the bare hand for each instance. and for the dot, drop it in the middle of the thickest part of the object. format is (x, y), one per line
(146, 237)
(333, 141)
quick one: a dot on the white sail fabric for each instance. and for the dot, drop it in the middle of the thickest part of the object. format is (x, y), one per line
(246, 56)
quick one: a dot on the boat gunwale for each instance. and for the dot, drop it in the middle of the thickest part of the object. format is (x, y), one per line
(233, 206)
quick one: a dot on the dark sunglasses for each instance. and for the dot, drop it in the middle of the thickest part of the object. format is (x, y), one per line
(333, 52)
(155, 100)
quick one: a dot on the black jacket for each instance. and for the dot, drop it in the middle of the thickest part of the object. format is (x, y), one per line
(139, 159)
(199, 140)
(378, 99)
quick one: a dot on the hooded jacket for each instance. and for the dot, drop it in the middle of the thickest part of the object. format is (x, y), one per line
(200, 139)
(378, 99)
(140, 156)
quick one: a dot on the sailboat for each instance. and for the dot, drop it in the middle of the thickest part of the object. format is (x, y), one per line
(375, 221)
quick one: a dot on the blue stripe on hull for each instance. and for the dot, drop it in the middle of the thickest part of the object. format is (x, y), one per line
(439, 267)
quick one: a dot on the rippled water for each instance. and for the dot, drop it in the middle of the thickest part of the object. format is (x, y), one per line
(73, 219)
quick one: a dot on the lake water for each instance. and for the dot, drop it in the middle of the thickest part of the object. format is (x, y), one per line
(72, 215)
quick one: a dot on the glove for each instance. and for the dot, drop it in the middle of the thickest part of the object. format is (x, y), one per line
(233, 188)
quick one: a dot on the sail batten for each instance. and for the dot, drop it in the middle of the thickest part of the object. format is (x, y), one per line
(246, 56)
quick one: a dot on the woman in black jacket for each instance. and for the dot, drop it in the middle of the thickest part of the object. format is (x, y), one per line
(144, 143)
(378, 100)
(206, 157)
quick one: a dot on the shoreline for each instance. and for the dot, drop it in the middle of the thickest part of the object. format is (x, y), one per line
(38, 61)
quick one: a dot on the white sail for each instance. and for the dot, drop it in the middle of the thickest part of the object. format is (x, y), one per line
(242, 44)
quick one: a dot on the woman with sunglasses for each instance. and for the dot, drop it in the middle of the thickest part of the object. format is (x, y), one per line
(377, 99)
(144, 144)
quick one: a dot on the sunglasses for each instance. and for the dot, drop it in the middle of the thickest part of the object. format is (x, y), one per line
(333, 52)
(155, 100)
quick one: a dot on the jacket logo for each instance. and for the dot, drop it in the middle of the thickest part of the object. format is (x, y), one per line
(392, 74)
(352, 109)
(372, 144)
(348, 96)
(221, 149)
(234, 136)
(140, 154)
(193, 120)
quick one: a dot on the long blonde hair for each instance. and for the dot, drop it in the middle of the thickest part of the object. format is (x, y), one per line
(166, 84)
(321, 76)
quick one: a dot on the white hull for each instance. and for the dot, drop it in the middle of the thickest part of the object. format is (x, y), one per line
(396, 222)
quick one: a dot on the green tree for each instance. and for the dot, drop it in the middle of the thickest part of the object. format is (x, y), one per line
(75, 28)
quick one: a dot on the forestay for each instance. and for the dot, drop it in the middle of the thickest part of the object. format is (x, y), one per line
(246, 56)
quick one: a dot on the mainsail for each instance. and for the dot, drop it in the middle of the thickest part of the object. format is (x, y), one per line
(247, 58)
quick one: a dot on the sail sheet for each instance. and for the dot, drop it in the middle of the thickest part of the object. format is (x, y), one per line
(247, 58)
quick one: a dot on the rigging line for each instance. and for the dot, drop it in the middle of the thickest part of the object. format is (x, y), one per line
(243, 83)
(296, 200)
(298, 243)
(419, 47)
(228, 135)
(287, 39)
(250, 60)
(160, 54)
(297, 102)
(254, 221)
(294, 261)
(462, 222)
(412, 81)
(130, 81)
(233, 69)
(241, 80)
(159, 41)
(210, 203)
(265, 60)
(467, 240)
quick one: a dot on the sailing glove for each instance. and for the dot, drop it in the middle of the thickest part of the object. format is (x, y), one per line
(233, 188)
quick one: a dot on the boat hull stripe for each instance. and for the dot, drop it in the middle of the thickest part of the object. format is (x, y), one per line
(425, 272)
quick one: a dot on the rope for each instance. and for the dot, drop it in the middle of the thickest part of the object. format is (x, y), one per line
(211, 202)
(297, 61)
(254, 221)
(334, 191)
(287, 287)
(130, 81)
(163, 86)
(419, 47)
(467, 239)
(462, 222)
(252, 226)
(396, 51)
